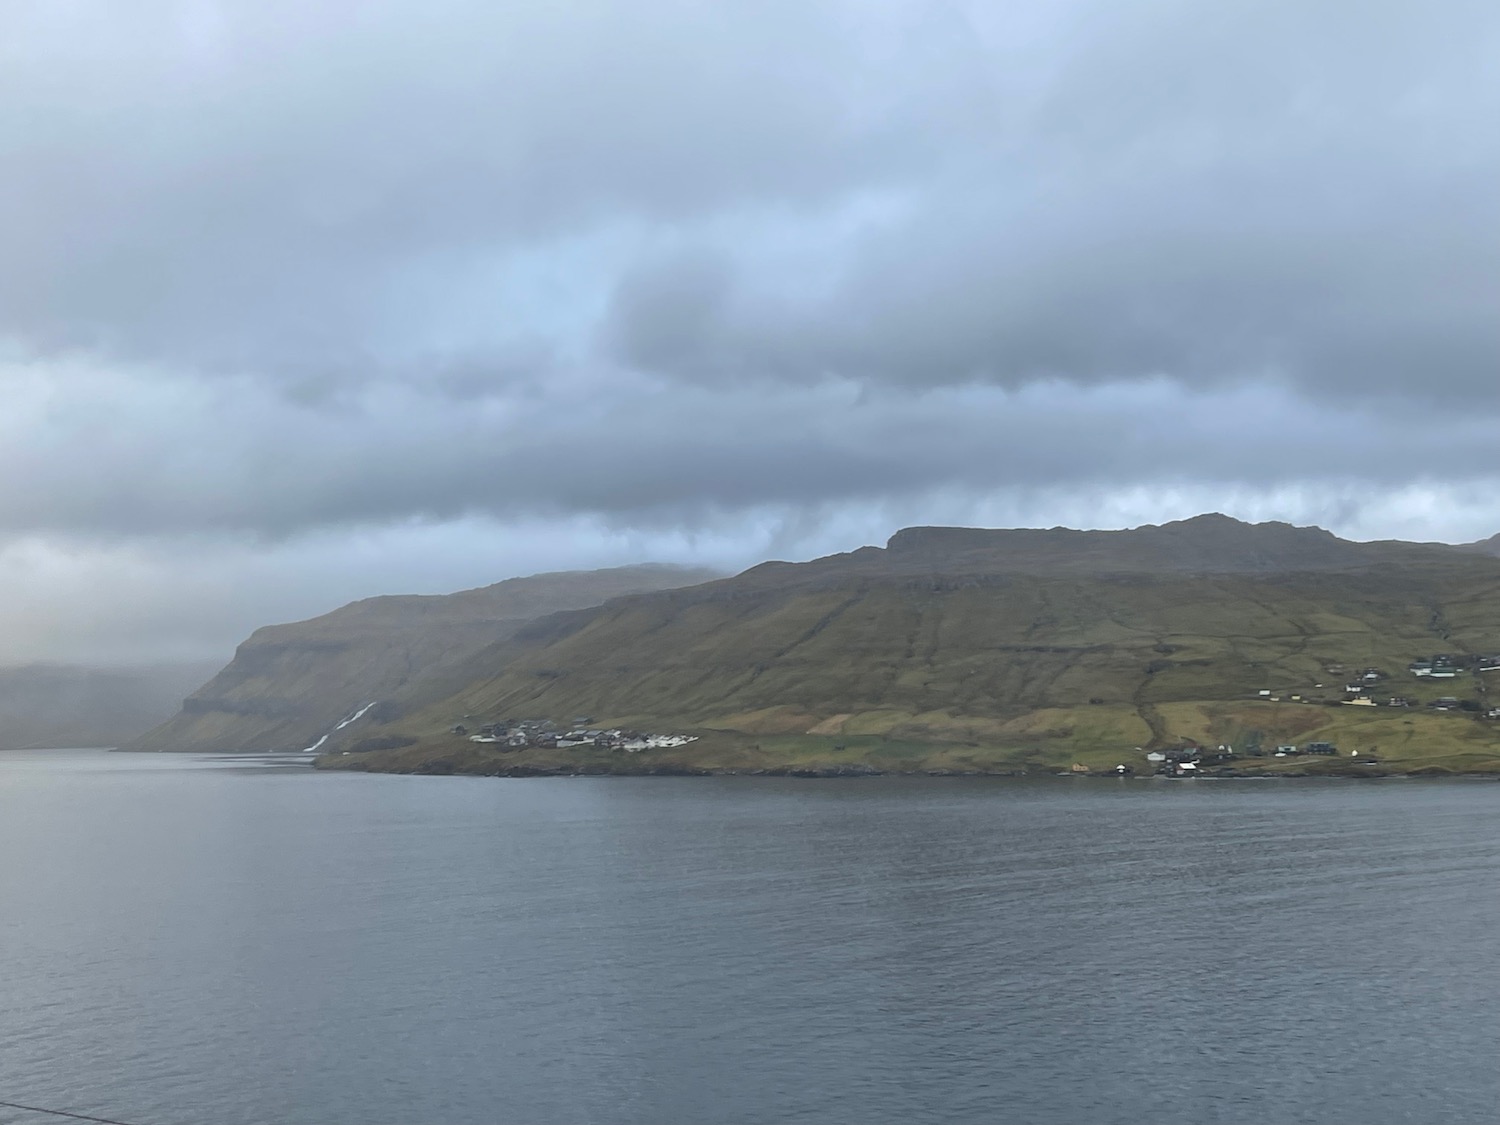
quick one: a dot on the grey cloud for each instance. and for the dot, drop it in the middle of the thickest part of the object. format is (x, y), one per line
(1201, 302)
(278, 277)
(262, 187)
(1084, 192)
(669, 315)
(241, 458)
(1297, 191)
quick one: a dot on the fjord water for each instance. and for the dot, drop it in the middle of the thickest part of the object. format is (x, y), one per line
(186, 940)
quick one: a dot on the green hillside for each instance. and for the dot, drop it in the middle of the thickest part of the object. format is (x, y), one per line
(962, 649)
(289, 685)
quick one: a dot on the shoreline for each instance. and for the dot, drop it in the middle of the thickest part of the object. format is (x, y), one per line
(447, 769)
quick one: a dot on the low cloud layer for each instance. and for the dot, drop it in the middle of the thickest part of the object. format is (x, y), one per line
(507, 287)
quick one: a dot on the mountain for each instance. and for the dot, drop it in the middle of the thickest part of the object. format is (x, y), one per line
(1490, 546)
(995, 645)
(50, 705)
(289, 685)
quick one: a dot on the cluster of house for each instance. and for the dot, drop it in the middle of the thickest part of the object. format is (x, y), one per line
(1357, 692)
(1186, 761)
(1453, 703)
(1364, 689)
(1326, 749)
(1176, 763)
(1446, 666)
(520, 734)
(1354, 698)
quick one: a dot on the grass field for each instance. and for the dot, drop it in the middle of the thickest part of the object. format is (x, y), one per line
(1401, 742)
(1003, 669)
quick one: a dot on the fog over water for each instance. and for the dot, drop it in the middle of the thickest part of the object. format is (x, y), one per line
(192, 940)
(305, 303)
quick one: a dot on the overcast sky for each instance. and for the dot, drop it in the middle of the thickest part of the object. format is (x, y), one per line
(301, 302)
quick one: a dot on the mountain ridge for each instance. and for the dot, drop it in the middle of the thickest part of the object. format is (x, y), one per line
(1210, 543)
(949, 636)
(1490, 546)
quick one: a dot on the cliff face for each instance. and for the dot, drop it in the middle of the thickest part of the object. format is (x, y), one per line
(289, 685)
(1212, 543)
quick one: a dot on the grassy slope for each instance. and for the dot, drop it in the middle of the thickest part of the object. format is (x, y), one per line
(288, 684)
(996, 672)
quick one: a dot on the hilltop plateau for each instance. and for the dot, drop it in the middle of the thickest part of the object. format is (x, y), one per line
(968, 650)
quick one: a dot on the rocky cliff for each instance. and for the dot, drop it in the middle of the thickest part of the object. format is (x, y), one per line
(289, 685)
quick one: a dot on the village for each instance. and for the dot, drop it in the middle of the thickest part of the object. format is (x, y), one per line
(1369, 687)
(521, 734)
(1190, 761)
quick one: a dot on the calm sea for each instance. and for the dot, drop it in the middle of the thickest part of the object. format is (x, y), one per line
(187, 941)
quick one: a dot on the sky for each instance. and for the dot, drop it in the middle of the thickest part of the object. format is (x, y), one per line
(306, 302)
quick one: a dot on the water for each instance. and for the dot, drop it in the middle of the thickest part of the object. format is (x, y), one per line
(187, 941)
